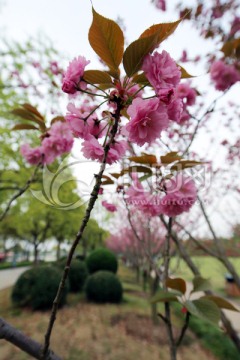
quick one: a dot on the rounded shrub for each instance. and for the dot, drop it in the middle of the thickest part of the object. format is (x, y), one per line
(78, 273)
(37, 288)
(103, 287)
(102, 259)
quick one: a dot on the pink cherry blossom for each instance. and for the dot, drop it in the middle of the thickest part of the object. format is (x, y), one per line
(92, 149)
(141, 199)
(235, 26)
(152, 204)
(166, 95)
(135, 190)
(116, 151)
(175, 110)
(160, 4)
(76, 122)
(161, 71)
(186, 93)
(58, 141)
(32, 155)
(61, 133)
(184, 57)
(72, 78)
(148, 119)
(223, 75)
(54, 67)
(96, 127)
(109, 207)
(181, 195)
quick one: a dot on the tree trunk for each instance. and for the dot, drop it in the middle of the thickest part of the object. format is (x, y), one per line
(153, 288)
(35, 261)
(58, 254)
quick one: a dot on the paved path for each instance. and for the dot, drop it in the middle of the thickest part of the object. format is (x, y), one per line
(8, 277)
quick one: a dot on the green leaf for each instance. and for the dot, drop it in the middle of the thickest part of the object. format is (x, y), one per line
(184, 73)
(170, 157)
(164, 30)
(164, 296)
(24, 127)
(204, 309)
(200, 284)
(106, 39)
(177, 284)
(220, 302)
(134, 54)
(144, 159)
(97, 77)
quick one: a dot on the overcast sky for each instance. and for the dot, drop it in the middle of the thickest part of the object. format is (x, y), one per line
(66, 22)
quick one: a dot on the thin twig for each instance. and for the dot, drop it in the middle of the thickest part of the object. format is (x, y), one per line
(93, 198)
(20, 192)
(208, 111)
(198, 243)
(148, 254)
(221, 257)
(184, 329)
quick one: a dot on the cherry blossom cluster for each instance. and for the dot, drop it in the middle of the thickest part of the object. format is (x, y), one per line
(123, 239)
(174, 196)
(224, 75)
(55, 142)
(147, 118)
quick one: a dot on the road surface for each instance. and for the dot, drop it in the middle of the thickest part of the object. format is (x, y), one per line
(8, 277)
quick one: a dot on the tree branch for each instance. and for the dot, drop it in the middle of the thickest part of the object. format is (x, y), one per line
(20, 192)
(93, 198)
(23, 342)
(222, 257)
(198, 243)
(184, 329)
(232, 333)
(168, 322)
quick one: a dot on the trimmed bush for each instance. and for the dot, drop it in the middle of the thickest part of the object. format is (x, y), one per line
(103, 287)
(77, 275)
(37, 288)
(102, 259)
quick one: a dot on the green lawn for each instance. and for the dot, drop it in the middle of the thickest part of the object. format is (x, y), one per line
(210, 268)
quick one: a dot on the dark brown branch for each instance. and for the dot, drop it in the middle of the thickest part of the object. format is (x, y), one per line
(198, 243)
(93, 198)
(20, 192)
(184, 329)
(23, 342)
